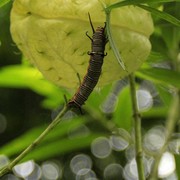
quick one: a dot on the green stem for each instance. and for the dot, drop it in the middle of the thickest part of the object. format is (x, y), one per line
(172, 119)
(36, 142)
(137, 126)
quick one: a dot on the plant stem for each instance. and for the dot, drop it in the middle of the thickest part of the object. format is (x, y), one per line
(170, 125)
(137, 126)
(36, 142)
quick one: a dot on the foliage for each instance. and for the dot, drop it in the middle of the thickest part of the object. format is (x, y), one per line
(109, 108)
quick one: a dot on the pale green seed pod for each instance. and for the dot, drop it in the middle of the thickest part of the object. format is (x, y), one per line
(51, 34)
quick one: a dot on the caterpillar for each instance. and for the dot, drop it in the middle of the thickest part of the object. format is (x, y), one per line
(98, 42)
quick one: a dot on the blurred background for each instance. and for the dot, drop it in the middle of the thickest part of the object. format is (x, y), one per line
(100, 143)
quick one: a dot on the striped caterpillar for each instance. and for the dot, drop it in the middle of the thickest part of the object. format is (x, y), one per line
(98, 42)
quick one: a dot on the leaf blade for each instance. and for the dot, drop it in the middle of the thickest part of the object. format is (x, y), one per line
(3, 2)
(135, 2)
(112, 43)
(162, 15)
(161, 76)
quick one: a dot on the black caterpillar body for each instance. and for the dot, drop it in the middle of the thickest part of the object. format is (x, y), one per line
(98, 42)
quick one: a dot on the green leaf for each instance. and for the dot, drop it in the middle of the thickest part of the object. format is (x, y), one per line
(155, 57)
(61, 147)
(177, 159)
(20, 143)
(156, 112)
(19, 76)
(98, 96)
(3, 2)
(159, 45)
(123, 114)
(154, 11)
(162, 15)
(49, 44)
(172, 42)
(160, 76)
(135, 2)
(165, 95)
(112, 43)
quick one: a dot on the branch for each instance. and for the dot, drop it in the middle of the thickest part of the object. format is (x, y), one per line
(137, 126)
(170, 125)
(35, 143)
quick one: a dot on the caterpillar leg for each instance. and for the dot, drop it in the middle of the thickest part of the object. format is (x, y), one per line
(91, 27)
(65, 99)
(74, 107)
(88, 36)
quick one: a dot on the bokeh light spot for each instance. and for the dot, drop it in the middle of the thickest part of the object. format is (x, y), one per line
(130, 170)
(154, 138)
(85, 174)
(174, 145)
(51, 170)
(118, 143)
(113, 172)
(144, 100)
(166, 165)
(79, 162)
(109, 105)
(36, 174)
(3, 161)
(101, 148)
(9, 177)
(23, 170)
(81, 131)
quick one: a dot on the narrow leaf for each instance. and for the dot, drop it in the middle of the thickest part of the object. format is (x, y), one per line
(26, 139)
(162, 76)
(19, 76)
(112, 43)
(177, 159)
(61, 147)
(154, 11)
(135, 2)
(156, 112)
(161, 15)
(3, 2)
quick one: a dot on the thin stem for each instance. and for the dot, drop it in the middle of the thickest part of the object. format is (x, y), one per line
(137, 126)
(170, 125)
(36, 142)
